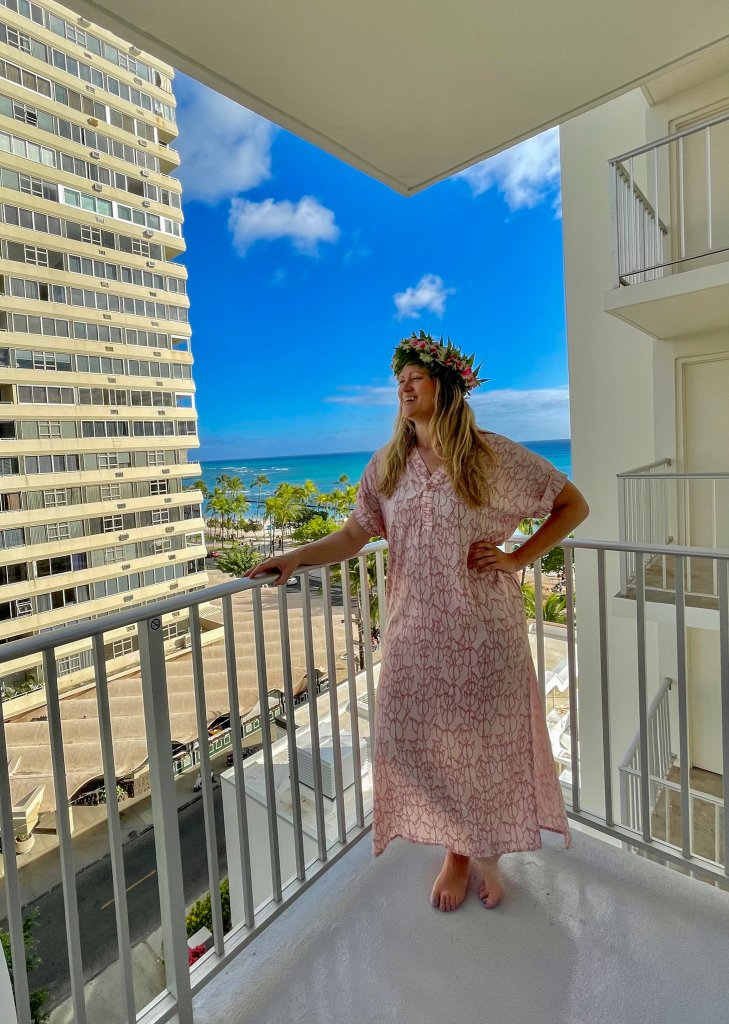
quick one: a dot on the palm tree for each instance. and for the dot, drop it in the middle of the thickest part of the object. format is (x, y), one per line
(259, 481)
(239, 507)
(284, 508)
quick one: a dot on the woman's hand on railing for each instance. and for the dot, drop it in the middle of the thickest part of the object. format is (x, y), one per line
(284, 564)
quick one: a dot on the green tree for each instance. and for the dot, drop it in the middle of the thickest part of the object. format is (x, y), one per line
(38, 998)
(530, 600)
(316, 528)
(259, 481)
(238, 559)
(555, 609)
(284, 508)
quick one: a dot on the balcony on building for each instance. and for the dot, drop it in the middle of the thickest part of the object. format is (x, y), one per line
(685, 517)
(318, 927)
(670, 203)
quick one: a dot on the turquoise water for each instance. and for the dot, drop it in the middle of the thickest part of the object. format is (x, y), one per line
(325, 470)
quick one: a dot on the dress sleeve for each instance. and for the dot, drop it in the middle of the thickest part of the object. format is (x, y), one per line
(534, 483)
(367, 508)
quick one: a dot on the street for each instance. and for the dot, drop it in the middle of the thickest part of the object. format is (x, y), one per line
(96, 901)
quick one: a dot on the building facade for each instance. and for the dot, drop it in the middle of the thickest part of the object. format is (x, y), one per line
(97, 400)
(646, 249)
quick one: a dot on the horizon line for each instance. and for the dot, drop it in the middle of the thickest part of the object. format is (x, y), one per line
(359, 451)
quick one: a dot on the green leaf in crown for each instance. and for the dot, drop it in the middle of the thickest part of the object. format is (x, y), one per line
(438, 357)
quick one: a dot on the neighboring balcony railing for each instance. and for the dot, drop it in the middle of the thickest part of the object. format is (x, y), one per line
(670, 202)
(656, 507)
(306, 799)
(669, 804)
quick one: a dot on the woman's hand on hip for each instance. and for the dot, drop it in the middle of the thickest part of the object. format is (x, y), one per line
(486, 557)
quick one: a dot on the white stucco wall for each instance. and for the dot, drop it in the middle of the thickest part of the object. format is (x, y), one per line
(612, 415)
(626, 393)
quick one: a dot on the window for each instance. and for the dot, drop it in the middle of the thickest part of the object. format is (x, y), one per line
(58, 531)
(55, 497)
(113, 555)
(160, 515)
(10, 502)
(107, 460)
(161, 545)
(111, 524)
(69, 663)
(193, 539)
(153, 459)
(110, 492)
(159, 486)
(11, 538)
(49, 428)
(121, 647)
(36, 256)
(10, 467)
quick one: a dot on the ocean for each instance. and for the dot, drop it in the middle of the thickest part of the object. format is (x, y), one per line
(325, 470)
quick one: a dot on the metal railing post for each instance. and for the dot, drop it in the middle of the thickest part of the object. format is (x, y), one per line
(164, 813)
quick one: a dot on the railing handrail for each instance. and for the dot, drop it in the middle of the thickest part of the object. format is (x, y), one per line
(640, 194)
(635, 742)
(673, 137)
(675, 787)
(721, 554)
(95, 627)
(633, 475)
(645, 468)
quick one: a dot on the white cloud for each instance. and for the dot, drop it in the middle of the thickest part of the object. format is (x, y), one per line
(428, 294)
(225, 149)
(365, 394)
(526, 175)
(306, 223)
(533, 414)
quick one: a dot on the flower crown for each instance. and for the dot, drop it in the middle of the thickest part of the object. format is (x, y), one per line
(438, 357)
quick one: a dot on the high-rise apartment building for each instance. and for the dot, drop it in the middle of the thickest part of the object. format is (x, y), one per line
(97, 405)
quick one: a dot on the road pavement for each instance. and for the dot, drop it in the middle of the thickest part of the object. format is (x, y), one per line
(96, 901)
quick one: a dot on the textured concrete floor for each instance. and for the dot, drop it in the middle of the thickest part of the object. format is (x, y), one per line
(585, 936)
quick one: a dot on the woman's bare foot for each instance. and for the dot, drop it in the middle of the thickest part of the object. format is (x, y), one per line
(491, 889)
(451, 884)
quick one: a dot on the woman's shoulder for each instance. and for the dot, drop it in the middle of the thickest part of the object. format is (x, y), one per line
(498, 442)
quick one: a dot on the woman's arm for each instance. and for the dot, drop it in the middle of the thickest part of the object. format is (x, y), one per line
(338, 546)
(568, 511)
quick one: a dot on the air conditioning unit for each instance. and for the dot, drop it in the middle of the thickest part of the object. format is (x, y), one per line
(144, 174)
(147, 233)
(146, 202)
(93, 121)
(93, 154)
(96, 187)
(151, 263)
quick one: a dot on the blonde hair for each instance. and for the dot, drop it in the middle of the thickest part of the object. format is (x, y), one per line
(468, 459)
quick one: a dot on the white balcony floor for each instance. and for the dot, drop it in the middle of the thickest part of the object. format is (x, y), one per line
(593, 934)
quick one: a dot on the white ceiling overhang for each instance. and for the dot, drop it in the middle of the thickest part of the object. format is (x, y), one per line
(410, 92)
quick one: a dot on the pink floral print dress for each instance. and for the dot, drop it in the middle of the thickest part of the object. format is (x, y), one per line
(462, 754)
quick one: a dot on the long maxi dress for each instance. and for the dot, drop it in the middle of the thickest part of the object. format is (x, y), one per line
(462, 756)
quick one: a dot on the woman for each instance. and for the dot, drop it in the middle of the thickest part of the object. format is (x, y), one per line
(462, 755)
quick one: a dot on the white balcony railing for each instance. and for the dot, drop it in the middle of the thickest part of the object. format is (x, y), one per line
(670, 202)
(658, 507)
(301, 835)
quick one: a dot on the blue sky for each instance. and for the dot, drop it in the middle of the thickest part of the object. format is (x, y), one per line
(305, 273)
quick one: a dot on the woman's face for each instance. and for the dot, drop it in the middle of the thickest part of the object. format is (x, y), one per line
(416, 393)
